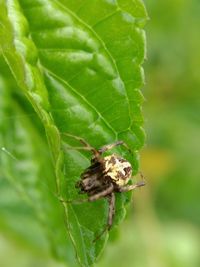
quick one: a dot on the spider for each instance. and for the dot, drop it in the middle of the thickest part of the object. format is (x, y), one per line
(105, 177)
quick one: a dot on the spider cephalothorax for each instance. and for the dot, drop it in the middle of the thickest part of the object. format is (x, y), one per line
(105, 176)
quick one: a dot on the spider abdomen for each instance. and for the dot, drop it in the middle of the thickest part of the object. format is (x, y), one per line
(117, 169)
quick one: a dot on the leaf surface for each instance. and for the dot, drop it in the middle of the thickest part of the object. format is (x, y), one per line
(79, 64)
(27, 182)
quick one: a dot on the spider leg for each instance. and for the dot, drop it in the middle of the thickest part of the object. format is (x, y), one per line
(102, 194)
(131, 187)
(86, 146)
(111, 214)
(95, 197)
(141, 175)
(81, 140)
(80, 148)
(110, 146)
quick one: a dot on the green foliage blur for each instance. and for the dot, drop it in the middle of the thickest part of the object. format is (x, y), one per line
(162, 225)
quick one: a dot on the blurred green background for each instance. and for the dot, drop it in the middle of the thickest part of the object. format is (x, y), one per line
(162, 225)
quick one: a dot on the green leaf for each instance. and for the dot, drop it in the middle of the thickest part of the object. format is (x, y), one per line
(29, 210)
(79, 64)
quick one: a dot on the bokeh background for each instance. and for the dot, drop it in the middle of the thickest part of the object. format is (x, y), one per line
(162, 225)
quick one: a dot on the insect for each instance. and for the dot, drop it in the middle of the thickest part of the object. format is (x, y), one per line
(105, 176)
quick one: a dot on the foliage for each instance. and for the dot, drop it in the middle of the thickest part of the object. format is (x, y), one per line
(79, 65)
